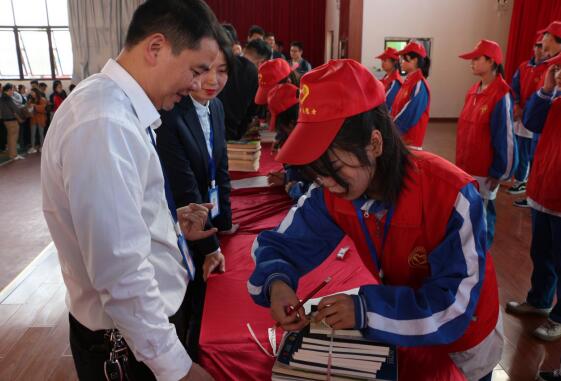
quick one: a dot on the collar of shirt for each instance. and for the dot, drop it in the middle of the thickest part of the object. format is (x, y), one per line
(143, 106)
(202, 109)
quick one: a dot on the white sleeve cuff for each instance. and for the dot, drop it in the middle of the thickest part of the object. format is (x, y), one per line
(172, 365)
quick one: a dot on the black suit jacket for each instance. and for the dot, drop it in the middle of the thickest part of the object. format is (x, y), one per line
(184, 155)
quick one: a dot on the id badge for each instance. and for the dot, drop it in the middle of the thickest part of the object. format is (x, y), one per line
(213, 197)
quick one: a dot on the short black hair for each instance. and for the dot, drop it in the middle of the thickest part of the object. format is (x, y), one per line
(269, 34)
(231, 30)
(256, 29)
(297, 44)
(34, 82)
(260, 47)
(43, 84)
(354, 136)
(285, 123)
(183, 23)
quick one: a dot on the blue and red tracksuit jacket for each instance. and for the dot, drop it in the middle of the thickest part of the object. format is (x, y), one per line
(410, 109)
(439, 286)
(526, 80)
(392, 83)
(542, 114)
(485, 141)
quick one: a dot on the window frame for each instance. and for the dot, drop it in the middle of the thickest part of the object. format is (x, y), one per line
(43, 28)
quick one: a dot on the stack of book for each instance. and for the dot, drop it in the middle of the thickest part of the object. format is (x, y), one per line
(244, 155)
(319, 353)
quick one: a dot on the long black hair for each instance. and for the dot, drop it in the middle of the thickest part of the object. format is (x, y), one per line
(285, 123)
(423, 63)
(354, 136)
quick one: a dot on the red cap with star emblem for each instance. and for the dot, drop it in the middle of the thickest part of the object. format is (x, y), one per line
(270, 73)
(485, 48)
(554, 28)
(413, 47)
(329, 94)
(281, 98)
(389, 53)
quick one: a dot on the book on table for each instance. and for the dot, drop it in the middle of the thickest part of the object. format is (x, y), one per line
(308, 354)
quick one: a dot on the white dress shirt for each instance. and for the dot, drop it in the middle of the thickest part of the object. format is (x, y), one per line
(104, 202)
(203, 112)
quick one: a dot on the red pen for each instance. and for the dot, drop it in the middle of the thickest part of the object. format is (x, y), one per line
(289, 310)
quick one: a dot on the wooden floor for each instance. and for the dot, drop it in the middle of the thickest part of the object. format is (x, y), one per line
(34, 320)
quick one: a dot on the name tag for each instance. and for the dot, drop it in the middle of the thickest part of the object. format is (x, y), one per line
(213, 198)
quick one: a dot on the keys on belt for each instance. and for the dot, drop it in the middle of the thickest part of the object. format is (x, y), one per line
(115, 367)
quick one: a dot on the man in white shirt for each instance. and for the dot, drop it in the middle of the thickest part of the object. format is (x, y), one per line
(104, 200)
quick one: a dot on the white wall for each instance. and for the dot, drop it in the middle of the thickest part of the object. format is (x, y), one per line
(332, 23)
(455, 27)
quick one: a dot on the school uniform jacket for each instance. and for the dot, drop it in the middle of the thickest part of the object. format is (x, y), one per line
(543, 115)
(410, 109)
(392, 83)
(182, 149)
(485, 142)
(526, 80)
(439, 285)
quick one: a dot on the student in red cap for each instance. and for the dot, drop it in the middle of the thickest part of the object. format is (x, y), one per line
(525, 82)
(283, 105)
(392, 81)
(485, 143)
(410, 109)
(271, 73)
(437, 294)
(543, 115)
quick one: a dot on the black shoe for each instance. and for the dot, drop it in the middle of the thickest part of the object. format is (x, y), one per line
(554, 375)
(517, 189)
(522, 203)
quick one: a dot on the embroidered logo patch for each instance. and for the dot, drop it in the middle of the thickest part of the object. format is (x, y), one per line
(418, 258)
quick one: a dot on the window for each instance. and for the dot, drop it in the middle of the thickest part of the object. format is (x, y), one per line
(399, 43)
(34, 40)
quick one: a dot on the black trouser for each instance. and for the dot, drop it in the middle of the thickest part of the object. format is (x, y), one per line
(89, 350)
(194, 307)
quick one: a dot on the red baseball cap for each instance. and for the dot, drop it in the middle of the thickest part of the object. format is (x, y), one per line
(413, 47)
(329, 94)
(270, 73)
(281, 98)
(554, 28)
(389, 53)
(485, 48)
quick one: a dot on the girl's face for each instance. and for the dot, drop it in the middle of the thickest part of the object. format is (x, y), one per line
(388, 65)
(58, 88)
(481, 65)
(348, 167)
(213, 81)
(409, 64)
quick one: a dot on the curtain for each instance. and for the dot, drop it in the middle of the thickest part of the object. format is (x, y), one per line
(528, 16)
(289, 20)
(97, 29)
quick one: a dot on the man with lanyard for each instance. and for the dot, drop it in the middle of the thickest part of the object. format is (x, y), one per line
(119, 238)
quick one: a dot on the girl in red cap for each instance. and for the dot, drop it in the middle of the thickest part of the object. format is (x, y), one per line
(485, 143)
(410, 110)
(392, 81)
(437, 294)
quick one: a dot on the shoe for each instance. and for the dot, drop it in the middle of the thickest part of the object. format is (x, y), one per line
(31, 150)
(517, 189)
(554, 375)
(19, 157)
(548, 331)
(522, 203)
(525, 308)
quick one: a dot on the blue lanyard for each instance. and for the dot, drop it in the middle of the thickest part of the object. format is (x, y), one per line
(211, 164)
(173, 210)
(373, 252)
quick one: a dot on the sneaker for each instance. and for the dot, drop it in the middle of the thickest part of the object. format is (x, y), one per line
(522, 203)
(31, 150)
(548, 331)
(19, 157)
(554, 375)
(518, 188)
(525, 308)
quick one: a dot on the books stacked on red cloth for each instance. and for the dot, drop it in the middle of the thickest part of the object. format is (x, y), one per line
(319, 353)
(244, 155)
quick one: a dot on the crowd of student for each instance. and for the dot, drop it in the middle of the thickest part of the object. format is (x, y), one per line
(25, 116)
(352, 147)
